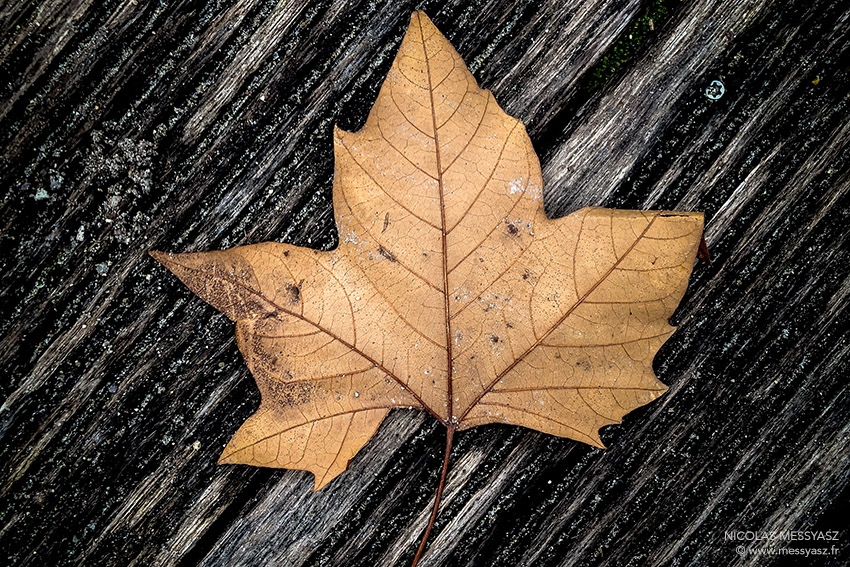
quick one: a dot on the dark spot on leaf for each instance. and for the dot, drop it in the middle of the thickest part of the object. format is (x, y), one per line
(494, 339)
(386, 254)
(512, 229)
(526, 274)
(294, 292)
(386, 222)
(286, 253)
(509, 326)
(290, 393)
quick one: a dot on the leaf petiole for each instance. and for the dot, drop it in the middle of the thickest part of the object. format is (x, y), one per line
(450, 431)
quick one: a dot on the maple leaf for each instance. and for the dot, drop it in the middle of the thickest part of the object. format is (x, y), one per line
(450, 291)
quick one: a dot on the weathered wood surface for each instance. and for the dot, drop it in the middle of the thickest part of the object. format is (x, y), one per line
(131, 125)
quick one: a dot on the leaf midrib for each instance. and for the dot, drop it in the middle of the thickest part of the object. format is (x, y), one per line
(450, 417)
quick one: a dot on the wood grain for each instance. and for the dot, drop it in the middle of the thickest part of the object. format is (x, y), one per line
(127, 126)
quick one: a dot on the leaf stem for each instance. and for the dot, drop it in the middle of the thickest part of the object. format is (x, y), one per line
(450, 432)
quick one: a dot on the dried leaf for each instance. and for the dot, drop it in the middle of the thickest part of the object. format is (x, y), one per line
(450, 291)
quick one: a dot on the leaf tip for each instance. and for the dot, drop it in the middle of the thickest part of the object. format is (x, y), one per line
(161, 257)
(227, 456)
(319, 483)
(423, 21)
(703, 253)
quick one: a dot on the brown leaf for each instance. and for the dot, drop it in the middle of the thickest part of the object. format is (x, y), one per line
(450, 291)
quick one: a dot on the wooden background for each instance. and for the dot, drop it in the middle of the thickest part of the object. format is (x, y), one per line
(191, 125)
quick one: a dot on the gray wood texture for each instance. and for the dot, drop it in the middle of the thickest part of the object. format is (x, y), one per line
(186, 125)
